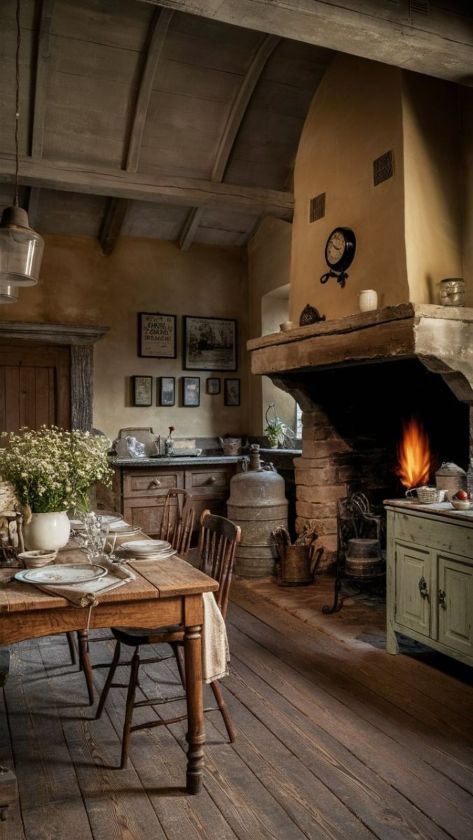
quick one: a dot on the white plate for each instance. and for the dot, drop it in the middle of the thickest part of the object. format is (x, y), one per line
(117, 526)
(162, 556)
(77, 524)
(109, 518)
(58, 574)
(146, 546)
(128, 532)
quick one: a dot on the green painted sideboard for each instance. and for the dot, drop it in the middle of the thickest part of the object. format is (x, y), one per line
(430, 578)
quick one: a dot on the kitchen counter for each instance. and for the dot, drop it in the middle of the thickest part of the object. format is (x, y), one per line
(176, 461)
(442, 509)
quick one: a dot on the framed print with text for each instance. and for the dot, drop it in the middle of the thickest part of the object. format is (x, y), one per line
(191, 391)
(142, 390)
(157, 335)
(166, 390)
(231, 394)
(210, 343)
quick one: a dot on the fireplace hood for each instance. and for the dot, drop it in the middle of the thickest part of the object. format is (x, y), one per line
(440, 337)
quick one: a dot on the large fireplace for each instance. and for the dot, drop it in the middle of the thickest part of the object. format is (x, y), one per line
(360, 380)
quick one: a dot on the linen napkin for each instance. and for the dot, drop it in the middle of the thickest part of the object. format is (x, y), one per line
(215, 650)
(87, 594)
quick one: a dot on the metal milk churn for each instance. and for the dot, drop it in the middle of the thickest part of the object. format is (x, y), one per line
(257, 503)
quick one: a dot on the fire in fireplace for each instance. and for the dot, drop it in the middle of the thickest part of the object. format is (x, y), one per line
(414, 460)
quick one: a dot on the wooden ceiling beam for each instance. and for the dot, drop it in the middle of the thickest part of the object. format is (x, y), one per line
(230, 132)
(43, 54)
(117, 207)
(161, 189)
(424, 37)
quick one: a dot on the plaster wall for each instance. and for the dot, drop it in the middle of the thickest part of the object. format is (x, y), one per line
(81, 286)
(433, 184)
(355, 116)
(269, 253)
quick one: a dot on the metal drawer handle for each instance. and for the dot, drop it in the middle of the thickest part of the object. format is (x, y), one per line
(442, 598)
(154, 483)
(211, 480)
(423, 588)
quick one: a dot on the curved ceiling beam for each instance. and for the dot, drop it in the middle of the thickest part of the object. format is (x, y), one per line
(116, 208)
(230, 132)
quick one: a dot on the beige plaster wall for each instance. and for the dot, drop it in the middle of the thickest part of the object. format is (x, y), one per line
(269, 253)
(355, 117)
(81, 286)
(433, 184)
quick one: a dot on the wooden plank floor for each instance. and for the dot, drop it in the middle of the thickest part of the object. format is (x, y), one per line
(336, 739)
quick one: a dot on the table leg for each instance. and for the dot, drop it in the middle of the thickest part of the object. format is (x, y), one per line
(84, 660)
(195, 707)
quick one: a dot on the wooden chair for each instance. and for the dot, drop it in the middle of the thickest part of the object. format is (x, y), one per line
(217, 544)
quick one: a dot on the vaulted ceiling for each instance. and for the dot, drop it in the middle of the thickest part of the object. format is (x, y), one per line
(142, 121)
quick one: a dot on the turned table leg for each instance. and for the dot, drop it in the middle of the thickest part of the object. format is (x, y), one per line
(84, 660)
(195, 707)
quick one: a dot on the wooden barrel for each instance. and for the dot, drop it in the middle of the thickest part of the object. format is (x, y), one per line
(363, 559)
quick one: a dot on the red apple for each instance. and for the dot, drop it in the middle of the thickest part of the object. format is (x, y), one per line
(462, 495)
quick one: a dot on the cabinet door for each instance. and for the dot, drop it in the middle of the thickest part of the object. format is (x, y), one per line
(146, 514)
(413, 588)
(455, 604)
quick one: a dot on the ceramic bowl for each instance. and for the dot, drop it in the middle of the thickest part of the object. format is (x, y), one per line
(461, 504)
(38, 558)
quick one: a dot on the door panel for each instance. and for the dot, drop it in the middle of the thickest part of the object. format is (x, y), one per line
(413, 566)
(455, 604)
(34, 386)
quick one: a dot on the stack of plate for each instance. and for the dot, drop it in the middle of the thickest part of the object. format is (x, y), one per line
(120, 528)
(147, 549)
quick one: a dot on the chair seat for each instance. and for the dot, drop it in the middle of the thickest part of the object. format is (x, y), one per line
(137, 636)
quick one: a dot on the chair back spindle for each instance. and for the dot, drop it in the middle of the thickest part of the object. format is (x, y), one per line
(178, 520)
(217, 546)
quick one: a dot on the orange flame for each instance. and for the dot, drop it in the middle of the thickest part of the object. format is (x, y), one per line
(414, 455)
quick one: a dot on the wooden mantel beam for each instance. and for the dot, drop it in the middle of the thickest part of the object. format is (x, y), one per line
(428, 36)
(163, 189)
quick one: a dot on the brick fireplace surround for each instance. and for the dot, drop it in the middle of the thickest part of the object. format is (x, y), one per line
(356, 379)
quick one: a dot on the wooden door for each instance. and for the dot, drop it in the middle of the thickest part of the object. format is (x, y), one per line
(455, 604)
(34, 386)
(413, 588)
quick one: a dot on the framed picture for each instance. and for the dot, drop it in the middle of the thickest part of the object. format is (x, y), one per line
(157, 335)
(232, 392)
(210, 343)
(142, 390)
(213, 385)
(166, 390)
(190, 391)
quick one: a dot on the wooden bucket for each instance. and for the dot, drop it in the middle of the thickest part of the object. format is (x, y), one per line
(363, 559)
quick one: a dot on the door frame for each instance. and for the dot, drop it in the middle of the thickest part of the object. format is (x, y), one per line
(80, 340)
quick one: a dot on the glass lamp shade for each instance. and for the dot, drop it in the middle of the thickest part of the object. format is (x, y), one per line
(8, 294)
(21, 249)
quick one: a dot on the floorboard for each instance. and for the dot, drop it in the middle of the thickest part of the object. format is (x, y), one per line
(336, 739)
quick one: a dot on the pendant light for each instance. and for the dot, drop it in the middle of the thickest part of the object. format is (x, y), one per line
(21, 248)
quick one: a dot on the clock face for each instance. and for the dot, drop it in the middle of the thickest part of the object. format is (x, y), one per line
(340, 248)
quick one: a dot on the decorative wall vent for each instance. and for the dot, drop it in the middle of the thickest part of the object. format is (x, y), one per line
(383, 168)
(420, 7)
(317, 207)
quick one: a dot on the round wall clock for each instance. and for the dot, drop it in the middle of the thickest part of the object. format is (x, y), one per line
(339, 253)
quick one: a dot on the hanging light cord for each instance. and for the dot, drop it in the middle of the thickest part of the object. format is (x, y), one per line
(17, 100)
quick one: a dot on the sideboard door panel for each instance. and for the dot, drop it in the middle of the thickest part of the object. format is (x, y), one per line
(455, 604)
(413, 598)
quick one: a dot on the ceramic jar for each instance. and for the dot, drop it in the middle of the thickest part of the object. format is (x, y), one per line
(451, 478)
(47, 531)
(368, 300)
(452, 291)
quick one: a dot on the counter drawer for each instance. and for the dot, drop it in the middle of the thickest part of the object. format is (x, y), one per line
(141, 484)
(441, 535)
(208, 483)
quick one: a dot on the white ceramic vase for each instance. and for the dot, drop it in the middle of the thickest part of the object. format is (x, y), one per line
(368, 300)
(47, 531)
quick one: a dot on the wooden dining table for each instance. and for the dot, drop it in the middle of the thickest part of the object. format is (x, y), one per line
(164, 593)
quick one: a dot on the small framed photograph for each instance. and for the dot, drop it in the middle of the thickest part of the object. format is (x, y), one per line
(157, 335)
(210, 343)
(142, 390)
(213, 385)
(190, 391)
(166, 390)
(232, 392)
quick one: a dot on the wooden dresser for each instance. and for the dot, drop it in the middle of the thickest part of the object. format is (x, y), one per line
(140, 488)
(430, 577)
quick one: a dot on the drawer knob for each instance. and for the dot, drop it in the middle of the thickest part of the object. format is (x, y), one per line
(211, 479)
(442, 598)
(154, 483)
(423, 588)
